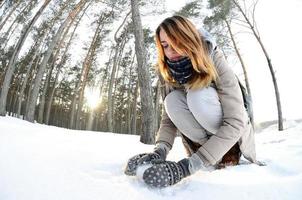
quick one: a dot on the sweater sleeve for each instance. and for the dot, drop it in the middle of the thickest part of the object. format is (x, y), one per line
(234, 120)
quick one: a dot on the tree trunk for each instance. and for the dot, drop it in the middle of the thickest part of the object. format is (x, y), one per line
(7, 33)
(147, 136)
(14, 93)
(1, 6)
(74, 104)
(30, 87)
(112, 79)
(128, 121)
(52, 92)
(48, 77)
(134, 112)
(24, 83)
(87, 65)
(11, 100)
(61, 42)
(257, 36)
(8, 38)
(73, 107)
(90, 120)
(51, 96)
(122, 101)
(4, 38)
(110, 90)
(129, 116)
(9, 14)
(43, 95)
(11, 65)
(120, 54)
(243, 68)
(112, 84)
(54, 42)
(101, 122)
(29, 73)
(157, 105)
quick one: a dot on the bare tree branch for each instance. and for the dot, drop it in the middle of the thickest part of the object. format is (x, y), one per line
(241, 23)
(122, 24)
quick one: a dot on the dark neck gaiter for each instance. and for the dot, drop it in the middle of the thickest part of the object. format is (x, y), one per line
(181, 70)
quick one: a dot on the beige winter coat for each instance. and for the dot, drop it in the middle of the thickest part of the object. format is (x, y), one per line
(236, 126)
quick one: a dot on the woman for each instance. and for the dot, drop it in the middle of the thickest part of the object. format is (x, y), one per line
(202, 100)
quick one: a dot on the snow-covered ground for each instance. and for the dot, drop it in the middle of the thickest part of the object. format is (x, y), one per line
(39, 162)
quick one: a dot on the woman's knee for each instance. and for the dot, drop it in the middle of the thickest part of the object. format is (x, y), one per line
(207, 95)
(206, 108)
(174, 101)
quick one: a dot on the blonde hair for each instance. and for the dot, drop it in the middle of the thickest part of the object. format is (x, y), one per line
(184, 38)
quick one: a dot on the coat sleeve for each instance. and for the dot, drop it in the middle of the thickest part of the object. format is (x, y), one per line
(234, 119)
(167, 130)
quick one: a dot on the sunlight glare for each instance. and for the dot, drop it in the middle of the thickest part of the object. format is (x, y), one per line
(93, 98)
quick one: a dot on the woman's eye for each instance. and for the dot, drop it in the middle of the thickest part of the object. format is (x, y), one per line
(165, 46)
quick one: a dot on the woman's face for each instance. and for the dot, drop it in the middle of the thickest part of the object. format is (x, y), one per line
(170, 53)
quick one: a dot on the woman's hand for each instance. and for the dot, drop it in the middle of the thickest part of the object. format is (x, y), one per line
(166, 173)
(143, 159)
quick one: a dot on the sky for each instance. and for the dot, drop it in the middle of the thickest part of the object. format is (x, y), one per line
(280, 30)
(51, 163)
(281, 34)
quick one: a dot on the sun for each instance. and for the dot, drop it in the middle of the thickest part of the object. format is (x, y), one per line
(92, 97)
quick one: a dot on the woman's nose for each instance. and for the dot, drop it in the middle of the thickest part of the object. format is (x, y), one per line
(172, 50)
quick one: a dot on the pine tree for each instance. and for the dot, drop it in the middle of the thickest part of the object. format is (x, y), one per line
(148, 132)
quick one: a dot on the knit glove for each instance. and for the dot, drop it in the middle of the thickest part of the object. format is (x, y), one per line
(166, 173)
(142, 159)
(132, 164)
(158, 154)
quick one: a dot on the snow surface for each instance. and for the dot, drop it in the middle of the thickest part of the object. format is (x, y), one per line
(45, 162)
